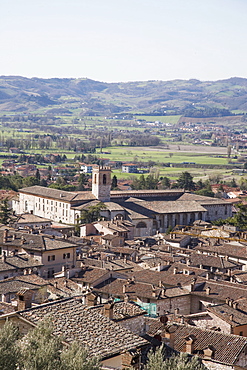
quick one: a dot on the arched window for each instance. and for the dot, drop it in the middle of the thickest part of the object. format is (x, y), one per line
(119, 216)
(141, 225)
(95, 178)
(104, 179)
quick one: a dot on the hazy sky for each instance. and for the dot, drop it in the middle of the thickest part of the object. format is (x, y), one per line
(124, 40)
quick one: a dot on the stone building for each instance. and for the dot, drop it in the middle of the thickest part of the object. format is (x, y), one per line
(150, 211)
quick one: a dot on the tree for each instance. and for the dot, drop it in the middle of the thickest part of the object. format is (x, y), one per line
(9, 350)
(81, 182)
(229, 150)
(157, 361)
(76, 358)
(6, 212)
(42, 349)
(184, 362)
(37, 175)
(92, 213)
(185, 181)
(165, 183)
(114, 182)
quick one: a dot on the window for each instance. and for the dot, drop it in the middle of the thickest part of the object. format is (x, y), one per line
(66, 255)
(51, 258)
(141, 225)
(104, 179)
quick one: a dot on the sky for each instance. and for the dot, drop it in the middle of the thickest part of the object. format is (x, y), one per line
(124, 40)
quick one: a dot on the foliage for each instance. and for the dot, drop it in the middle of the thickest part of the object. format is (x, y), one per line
(114, 182)
(9, 351)
(150, 182)
(185, 181)
(92, 213)
(76, 358)
(157, 361)
(82, 180)
(239, 219)
(41, 350)
(184, 362)
(205, 193)
(6, 212)
(165, 183)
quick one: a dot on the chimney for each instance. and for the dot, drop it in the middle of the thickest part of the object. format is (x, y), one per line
(231, 317)
(170, 335)
(235, 305)
(13, 236)
(55, 284)
(24, 299)
(3, 257)
(153, 291)
(126, 298)
(189, 344)
(124, 288)
(91, 299)
(108, 310)
(163, 292)
(176, 311)
(208, 290)
(175, 270)
(5, 235)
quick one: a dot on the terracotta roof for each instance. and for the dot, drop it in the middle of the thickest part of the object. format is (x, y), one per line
(227, 347)
(232, 249)
(31, 218)
(76, 322)
(32, 241)
(232, 316)
(134, 289)
(64, 196)
(13, 285)
(201, 199)
(90, 274)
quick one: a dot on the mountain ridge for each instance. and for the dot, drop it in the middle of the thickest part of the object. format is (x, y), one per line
(87, 96)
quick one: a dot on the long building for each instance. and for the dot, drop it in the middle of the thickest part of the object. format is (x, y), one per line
(150, 211)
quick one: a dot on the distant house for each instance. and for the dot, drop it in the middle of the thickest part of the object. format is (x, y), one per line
(129, 168)
(87, 168)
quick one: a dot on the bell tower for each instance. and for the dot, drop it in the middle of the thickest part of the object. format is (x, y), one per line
(101, 183)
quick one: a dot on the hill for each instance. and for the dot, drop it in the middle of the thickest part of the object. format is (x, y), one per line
(89, 97)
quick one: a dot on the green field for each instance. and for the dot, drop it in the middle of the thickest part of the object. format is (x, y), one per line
(137, 154)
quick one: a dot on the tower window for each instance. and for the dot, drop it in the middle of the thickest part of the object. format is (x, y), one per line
(104, 179)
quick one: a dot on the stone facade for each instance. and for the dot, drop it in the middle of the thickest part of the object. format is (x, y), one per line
(101, 183)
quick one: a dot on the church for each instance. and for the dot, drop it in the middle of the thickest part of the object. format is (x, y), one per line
(150, 211)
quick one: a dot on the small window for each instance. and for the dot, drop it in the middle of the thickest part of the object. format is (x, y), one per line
(104, 179)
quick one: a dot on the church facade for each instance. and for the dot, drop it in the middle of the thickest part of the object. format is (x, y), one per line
(150, 211)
